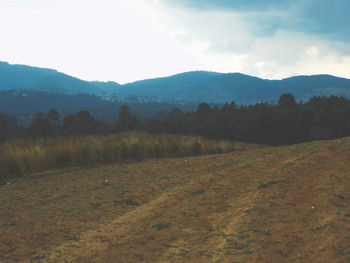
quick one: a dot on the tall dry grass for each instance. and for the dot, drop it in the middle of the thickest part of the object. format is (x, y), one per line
(23, 157)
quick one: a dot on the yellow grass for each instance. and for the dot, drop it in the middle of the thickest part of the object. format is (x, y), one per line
(27, 156)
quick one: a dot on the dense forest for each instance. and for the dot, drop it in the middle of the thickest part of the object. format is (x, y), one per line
(285, 123)
(24, 104)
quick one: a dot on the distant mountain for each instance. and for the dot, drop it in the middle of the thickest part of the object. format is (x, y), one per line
(305, 87)
(196, 86)
(172, 86)
(40, 79)
(109, 87)
(243, 89)
(21, 76)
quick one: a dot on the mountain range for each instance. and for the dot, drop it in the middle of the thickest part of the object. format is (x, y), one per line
(21, 77)
(195, 86)
(243, 89)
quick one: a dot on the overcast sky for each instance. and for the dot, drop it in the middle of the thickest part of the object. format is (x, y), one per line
(127, 40)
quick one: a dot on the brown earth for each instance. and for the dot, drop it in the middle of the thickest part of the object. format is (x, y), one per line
(274, 204)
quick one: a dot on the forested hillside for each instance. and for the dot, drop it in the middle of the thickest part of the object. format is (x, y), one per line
(195, 86)
(288, 122)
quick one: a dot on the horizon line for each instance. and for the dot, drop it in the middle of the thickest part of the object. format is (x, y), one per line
(175, 74)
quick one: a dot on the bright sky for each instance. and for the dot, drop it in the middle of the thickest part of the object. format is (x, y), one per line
(128, 40)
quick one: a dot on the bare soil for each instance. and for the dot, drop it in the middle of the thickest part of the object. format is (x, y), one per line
(274, 204)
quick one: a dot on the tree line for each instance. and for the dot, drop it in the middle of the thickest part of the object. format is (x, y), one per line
(287, 122)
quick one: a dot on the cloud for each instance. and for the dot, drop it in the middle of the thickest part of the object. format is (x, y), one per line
(328, 18)
(204, 5)
(93, 40)
(323, 17)
(274, 40)
(136, 39)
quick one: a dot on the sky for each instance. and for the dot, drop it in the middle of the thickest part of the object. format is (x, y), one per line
(129, 40)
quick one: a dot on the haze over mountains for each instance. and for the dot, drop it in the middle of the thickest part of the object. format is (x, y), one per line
(196, 86)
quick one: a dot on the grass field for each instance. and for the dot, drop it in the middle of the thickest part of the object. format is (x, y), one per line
(272, 204)
(23, 157)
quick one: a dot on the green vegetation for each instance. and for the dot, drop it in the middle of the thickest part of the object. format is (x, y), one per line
(241, 237)
(36, 258)
(267, 184)
(284, 123)
(253, 209)
(264, 232)
(321, 227)
(131, 202)
(160, 226)
(23, 157)
(198, 192)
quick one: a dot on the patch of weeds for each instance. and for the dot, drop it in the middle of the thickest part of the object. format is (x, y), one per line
(183, 252)
(160, 226)
(315, 151)
(121, 193)
(335, 166)
(296, 257)
(288, 164)
(241, 237)
(264, 232)
(36, 258)
(269, 216)
(340, 250)
(73, 238)
(198, 192)
(184, 183)
(253, 209)
(12, 224)
(96, 207)
(191, 215)
(341, 205)
(118, 202)
(240, 246)
(172, 187)
(251, 240)
(131, 202)
(329, 181)
(165, 177)
(73, 246)
(267, 184)
(247, 251)
(321, 227)
(122, 185)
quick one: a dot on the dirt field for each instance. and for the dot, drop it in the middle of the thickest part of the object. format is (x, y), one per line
(282, 204)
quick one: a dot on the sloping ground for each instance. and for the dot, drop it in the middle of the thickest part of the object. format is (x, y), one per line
(282, 204)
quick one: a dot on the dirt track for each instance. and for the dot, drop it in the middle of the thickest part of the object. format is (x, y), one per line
(284, 204)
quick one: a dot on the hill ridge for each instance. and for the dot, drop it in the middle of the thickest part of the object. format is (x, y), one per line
(192, 86)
